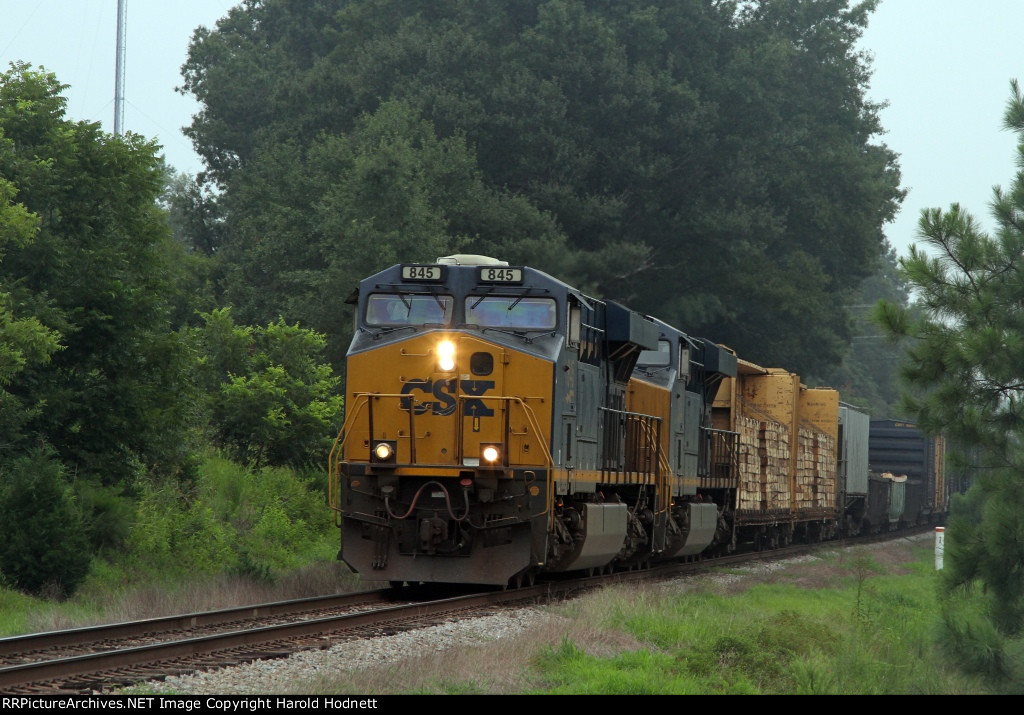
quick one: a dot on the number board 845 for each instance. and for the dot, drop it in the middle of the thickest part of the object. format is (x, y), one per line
(501, 275)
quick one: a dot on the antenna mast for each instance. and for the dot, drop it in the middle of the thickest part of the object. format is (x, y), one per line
(122, 13)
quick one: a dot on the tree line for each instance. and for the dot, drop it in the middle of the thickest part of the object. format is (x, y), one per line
(716, 164)
(114, 373)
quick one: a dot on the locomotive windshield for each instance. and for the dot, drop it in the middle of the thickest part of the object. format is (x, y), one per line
(656, 358)
(408, 309)
(511, 312)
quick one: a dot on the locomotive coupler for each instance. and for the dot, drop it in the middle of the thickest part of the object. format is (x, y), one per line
(433, 531)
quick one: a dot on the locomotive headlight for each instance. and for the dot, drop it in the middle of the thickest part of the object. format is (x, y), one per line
(490, 454)
(446, 355)
(384, 451)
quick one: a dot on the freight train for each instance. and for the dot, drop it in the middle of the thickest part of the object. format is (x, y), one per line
(501, 424)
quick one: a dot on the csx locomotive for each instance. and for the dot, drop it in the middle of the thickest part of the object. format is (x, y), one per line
(501, 424)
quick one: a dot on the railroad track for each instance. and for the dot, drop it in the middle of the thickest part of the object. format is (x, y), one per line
(26, 661)
(100, 659)
(103, 658)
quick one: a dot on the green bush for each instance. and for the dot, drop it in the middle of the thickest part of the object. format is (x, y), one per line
(176, 536)
(108, 516)
(44, 548)
(970, 637)
(260, 523)
(271, 403)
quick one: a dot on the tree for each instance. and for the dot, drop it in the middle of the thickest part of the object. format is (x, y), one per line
(192, 212)
(868, 376)
(24, 341)
(103, 272)
(271, 403)
(964, 375)
(964, 372)
(708, 162)
(309, 222)
(42, 536)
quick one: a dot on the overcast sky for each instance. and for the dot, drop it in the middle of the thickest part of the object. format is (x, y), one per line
(944, 66)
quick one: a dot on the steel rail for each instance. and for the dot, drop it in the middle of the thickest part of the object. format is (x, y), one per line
(21, 644)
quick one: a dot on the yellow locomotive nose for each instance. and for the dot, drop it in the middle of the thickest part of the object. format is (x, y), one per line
(446, 356)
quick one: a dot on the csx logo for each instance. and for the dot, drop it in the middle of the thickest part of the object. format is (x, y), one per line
(444, 391)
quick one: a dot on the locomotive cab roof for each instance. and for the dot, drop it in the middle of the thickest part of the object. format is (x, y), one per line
(469, 259)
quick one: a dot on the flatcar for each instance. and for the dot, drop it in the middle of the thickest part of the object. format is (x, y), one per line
(501, 424)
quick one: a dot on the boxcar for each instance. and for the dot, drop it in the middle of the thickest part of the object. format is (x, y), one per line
(900, 448)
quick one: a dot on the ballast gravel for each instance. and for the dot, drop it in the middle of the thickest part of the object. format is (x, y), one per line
(285, 675)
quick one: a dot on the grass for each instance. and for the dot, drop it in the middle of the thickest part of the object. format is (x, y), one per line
(855, 622)
(97, 602)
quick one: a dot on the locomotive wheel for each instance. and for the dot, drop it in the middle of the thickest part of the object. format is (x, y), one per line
(396, 584)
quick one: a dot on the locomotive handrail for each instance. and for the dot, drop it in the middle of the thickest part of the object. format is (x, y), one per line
(663, 480)
(639, 418)
(337, 448)
(549, 497)
(728, 441)
(362, 399)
